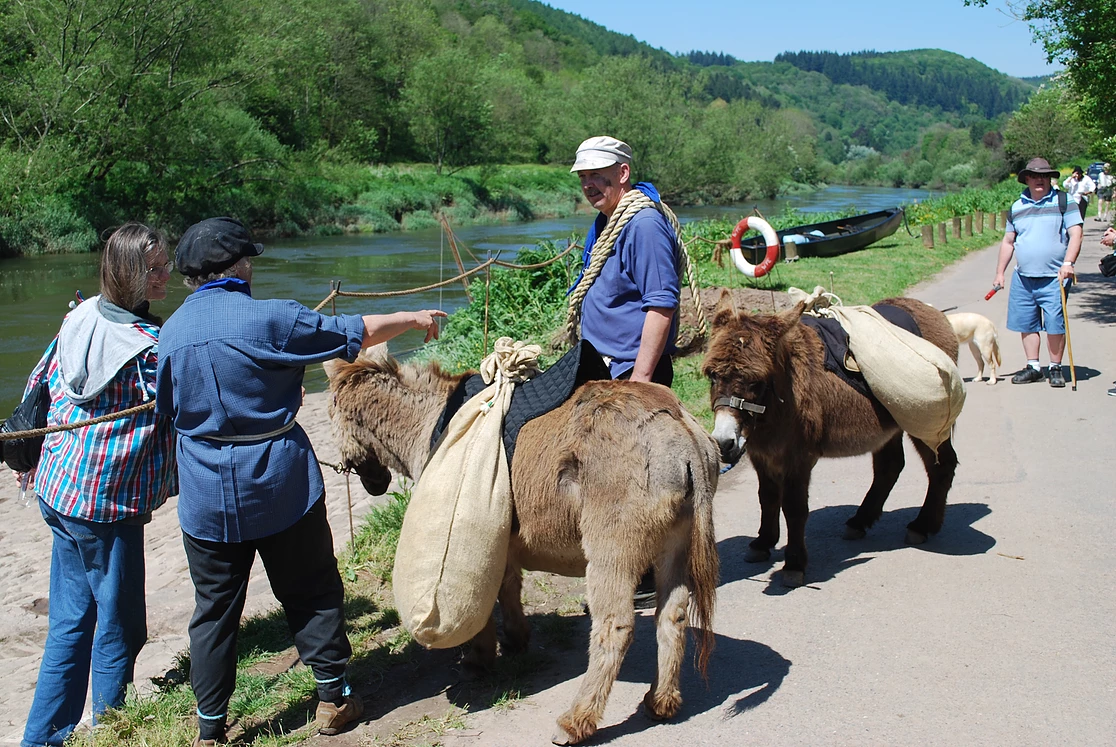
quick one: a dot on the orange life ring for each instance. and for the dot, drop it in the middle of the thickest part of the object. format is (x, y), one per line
(769, 235)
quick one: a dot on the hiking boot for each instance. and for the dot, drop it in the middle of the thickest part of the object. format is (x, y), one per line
(331, 719)
(1028, 376)
(1056, 378)
(199, 742)
(1112, 392)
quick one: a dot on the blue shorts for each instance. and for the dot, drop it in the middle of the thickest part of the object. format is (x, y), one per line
(1035, 305)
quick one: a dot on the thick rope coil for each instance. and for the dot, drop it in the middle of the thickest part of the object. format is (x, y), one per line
(630, 204)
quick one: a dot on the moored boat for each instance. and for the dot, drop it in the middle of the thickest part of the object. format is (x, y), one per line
(830, 238)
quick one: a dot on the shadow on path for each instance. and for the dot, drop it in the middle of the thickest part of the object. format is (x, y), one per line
(830, 554)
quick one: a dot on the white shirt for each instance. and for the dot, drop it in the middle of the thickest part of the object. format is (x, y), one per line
(1079, 188)
(1104, 180)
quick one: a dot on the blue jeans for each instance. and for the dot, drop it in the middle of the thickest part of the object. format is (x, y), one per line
(98, 623)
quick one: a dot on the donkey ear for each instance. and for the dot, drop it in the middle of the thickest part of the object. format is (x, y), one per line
(332, 367)
(377, 354)
(787, 320)
(725, 309)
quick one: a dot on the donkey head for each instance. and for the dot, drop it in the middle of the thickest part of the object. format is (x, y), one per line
(383, 414)
(741, 366)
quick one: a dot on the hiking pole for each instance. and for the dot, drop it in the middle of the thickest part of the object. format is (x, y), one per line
(1069, 345)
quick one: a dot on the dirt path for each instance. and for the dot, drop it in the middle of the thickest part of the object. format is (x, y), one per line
(998, 631)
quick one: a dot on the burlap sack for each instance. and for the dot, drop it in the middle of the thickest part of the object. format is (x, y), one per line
(913, 378)
(454, 542)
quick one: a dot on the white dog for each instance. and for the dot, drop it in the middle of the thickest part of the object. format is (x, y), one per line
(980, 333)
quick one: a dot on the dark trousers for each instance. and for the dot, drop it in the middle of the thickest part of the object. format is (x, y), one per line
(302, 571)
(663, 373)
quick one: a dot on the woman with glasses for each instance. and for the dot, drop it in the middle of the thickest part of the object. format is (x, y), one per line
(97, 485)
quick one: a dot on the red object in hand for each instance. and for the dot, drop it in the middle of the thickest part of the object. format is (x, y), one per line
(992, 292)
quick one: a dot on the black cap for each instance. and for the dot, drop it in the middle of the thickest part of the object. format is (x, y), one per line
(214, 245)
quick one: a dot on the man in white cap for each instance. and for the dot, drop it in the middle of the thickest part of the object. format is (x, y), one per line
(628, 291)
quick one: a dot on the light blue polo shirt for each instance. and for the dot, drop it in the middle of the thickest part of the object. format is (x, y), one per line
(1041, 233)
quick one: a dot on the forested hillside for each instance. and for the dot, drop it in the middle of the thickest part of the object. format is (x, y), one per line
(923, 77)
(319, 115)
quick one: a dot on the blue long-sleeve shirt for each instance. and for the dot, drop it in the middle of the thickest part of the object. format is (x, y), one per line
(231, 367)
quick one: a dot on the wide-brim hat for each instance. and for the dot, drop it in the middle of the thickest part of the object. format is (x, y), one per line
(1038, 167)
(214, 245)
(600, 153)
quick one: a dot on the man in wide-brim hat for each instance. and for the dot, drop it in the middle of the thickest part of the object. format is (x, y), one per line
(1045, 239)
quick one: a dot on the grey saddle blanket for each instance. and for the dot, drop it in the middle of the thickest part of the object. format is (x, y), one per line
(533, 398)
(836, 342)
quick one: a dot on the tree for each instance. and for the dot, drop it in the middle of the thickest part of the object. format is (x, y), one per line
(1049, 125)
(450, 118)
(1081, 35)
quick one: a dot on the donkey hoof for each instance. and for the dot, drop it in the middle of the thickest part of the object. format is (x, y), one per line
(915, 537)
(560, 737)
(854, 533)
(573, 728)
(662, 707)
(756, 555)
(794, 579)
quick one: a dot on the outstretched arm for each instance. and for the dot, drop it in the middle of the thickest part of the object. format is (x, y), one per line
(383, 327)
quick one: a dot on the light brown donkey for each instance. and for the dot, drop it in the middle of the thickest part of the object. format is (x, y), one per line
(618, 478)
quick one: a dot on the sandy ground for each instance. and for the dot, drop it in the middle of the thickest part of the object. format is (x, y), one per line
(997, 631)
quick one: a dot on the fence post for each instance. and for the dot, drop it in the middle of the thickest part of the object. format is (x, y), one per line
(979, 221)
(942, 234)
(928, 237)
(956, 227)
(992, 220)
(968, 226)
(1003, 218)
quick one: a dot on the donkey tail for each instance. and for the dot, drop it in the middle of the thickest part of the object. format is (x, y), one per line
(705, 566)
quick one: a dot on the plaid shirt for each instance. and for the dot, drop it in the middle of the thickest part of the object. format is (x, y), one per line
(114, 470)
(231, 368)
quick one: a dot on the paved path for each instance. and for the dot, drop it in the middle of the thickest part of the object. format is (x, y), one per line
(998, 631)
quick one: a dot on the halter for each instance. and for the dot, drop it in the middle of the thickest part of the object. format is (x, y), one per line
(739, 404)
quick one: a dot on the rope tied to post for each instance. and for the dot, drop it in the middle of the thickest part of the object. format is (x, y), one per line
(630, 204)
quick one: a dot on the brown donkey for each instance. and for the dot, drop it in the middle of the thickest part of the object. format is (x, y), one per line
(618, 478)
(771, 391)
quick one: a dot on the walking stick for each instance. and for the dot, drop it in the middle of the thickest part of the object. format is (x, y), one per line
(1069, 345)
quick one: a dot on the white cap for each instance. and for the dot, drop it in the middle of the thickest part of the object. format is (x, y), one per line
(601, 152)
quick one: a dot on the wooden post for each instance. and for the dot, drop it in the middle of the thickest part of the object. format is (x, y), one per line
(992, 221)
(957, 227)
(928, 237)
(1003, 218)
(968, 226)
(979, 225)
(942, 234)
(790, 251)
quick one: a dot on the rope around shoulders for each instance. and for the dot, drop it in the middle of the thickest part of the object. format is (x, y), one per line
(630, 204)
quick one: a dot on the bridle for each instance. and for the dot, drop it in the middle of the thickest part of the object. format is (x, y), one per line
(738, 403)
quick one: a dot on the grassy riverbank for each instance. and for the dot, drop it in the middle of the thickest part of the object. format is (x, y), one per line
(274, 700)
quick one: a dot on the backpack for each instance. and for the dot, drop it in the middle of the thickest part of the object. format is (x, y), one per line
(22, 454)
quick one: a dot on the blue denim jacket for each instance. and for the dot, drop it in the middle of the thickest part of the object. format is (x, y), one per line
(231, 369)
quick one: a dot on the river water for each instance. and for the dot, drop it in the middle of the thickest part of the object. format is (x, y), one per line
(35, 291)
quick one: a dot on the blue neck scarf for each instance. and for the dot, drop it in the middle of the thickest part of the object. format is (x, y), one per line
(232, 284)
(646, 188)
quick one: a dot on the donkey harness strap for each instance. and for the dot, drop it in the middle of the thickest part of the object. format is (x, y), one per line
(739, 404)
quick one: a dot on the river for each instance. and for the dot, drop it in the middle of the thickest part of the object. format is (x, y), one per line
(35, 291)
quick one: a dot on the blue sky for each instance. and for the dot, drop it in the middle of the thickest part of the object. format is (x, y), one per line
(759, 31)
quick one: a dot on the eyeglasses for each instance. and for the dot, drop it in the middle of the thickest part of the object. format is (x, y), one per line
(167, 267)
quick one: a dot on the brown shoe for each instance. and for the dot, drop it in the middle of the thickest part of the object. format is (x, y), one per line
(330, 719)
(199, 742)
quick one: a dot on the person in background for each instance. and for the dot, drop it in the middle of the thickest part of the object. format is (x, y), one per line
(1079, 186)
(1105, 183)
(97, 486)
(1045, 243)
(230, 378)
